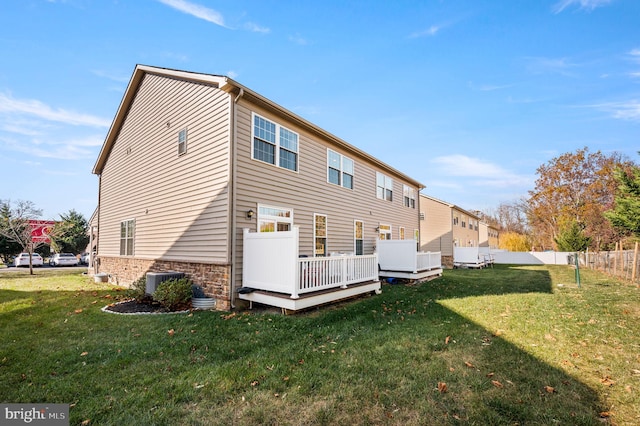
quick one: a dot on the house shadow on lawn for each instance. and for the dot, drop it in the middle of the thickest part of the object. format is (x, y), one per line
(452, 369)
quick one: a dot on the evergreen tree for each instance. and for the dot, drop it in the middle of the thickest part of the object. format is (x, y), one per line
(572, 238)
(626, 213)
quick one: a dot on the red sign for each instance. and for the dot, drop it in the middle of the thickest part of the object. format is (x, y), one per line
(40, 230)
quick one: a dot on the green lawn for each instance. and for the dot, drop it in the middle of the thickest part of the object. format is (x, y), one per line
(509, 345)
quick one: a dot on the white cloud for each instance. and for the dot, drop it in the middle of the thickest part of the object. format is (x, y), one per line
(297, 39)
(431, 31)
(196, 10)
(109, 76)
(588, 5)
(35, 108)
(626, 110)
(232, 74)
(480, 172)
(256, 28)
(47, 147)
(541, 65)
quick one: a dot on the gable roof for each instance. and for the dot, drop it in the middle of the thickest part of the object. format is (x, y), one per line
(452, 206)
(234, 88)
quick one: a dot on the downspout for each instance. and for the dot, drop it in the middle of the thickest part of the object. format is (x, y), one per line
(234, 168)
(95, 258)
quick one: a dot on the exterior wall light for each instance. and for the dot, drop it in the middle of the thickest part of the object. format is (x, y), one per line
(250, 214)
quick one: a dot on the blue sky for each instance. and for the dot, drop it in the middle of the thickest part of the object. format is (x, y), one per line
(469, 97)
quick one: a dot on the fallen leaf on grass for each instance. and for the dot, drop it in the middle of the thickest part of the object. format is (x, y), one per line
(85, 422)
(607, 381)
(255, 383)
(171, 332)
(497, 384)
(442, 387)
(77, 311)
(549, 389)
(490, 375)
(550, 337)
(605, 414)
(84, 354)
(446, 341)
(468, 364)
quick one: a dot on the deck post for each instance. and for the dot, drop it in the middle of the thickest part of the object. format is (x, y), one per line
(296, 264)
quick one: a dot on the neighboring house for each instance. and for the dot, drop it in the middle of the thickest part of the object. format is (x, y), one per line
(192, 159)
(488, 235)
(444, 226)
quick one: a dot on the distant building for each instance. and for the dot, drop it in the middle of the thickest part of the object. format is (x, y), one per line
(444, 226)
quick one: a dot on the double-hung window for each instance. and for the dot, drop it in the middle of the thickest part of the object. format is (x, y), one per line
(339, 169)
(358, 231)
(409, 196)
(182, 141)
(320, 234)
(384, 187)
(127, 234)
(274, 219)
(274, 144)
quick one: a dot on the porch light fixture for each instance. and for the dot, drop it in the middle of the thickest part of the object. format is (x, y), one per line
(250, 214)
(377, 229)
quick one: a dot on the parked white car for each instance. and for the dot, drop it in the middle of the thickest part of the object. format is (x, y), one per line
(23, 260)
(63, 259)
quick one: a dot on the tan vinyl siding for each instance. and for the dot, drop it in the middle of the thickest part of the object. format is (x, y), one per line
(436, 229)
(180, 203)
(307, 191)
(467, 236)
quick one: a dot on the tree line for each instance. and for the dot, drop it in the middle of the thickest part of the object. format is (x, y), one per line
(581, 200)
(68, 235)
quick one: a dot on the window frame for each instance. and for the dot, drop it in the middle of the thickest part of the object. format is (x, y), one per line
(317, 237)
(280, 134)
(386, 187)
(276, 220)
(408, 196)
(127, 241)
(355, 237)
(182, 143)
(341, 172)
(401, 234)
(384, 227)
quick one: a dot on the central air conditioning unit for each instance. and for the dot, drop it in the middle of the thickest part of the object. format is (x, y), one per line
(155, 278)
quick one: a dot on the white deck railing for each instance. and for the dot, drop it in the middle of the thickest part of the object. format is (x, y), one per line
(271, 263)
(402, 256)
(428, 260)
(321, 273)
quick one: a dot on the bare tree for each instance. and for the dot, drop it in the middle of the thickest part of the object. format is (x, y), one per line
(15, 226)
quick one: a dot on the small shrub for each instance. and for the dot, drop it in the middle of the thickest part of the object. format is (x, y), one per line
(174, 293)
(138, 290)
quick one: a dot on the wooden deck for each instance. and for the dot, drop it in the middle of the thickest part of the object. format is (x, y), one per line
(308, 300)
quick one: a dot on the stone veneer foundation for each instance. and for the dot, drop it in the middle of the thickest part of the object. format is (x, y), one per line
(447, 262)
(213, 278)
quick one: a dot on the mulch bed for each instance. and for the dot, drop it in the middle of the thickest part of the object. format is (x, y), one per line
(146, 307)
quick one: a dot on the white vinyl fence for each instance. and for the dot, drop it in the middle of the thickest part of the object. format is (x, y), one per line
(271, 263)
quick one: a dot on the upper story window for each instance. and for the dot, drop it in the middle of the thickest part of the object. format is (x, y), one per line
(384, 187)
(455, 219)
(274, 219)
(409, 196)
(274, 144)
(127, 234)
(182, 141)
(339, 169)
